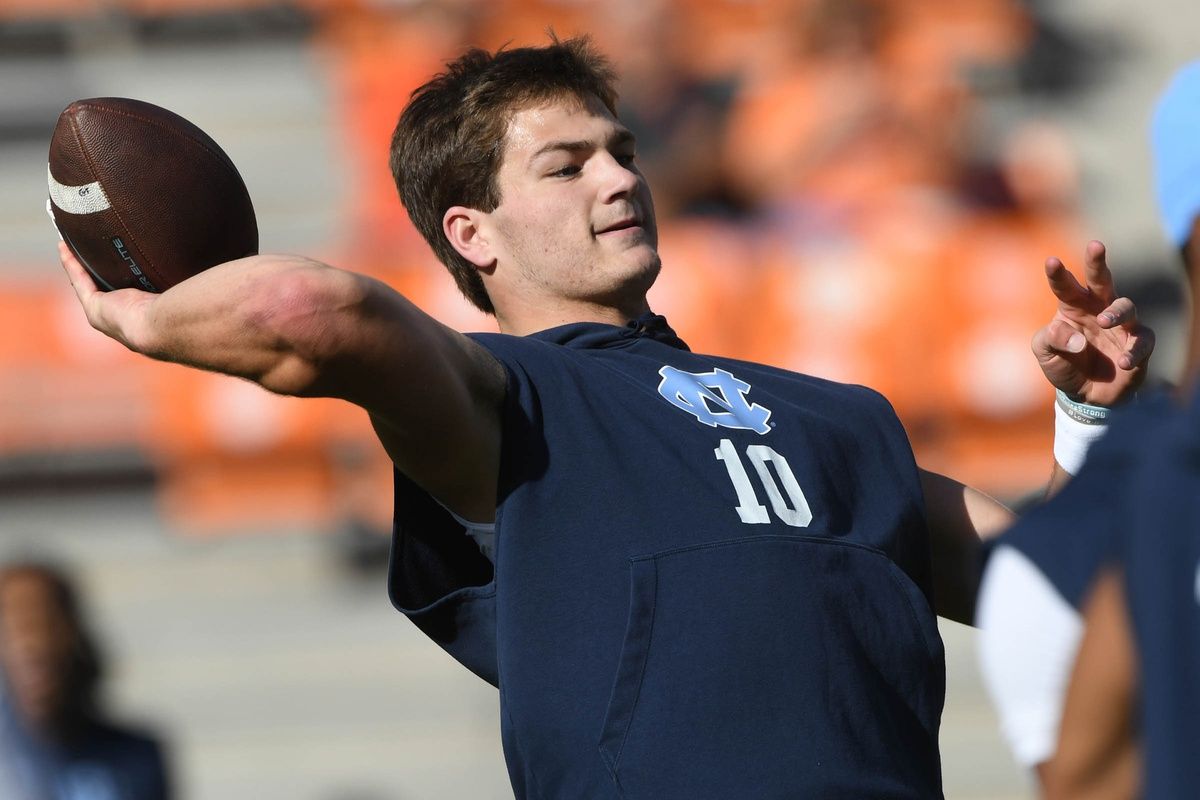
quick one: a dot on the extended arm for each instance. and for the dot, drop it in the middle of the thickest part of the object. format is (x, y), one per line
(960, 519)
(298, 327)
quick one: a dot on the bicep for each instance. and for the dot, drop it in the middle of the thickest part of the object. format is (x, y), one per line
(959, 518)
(433, 394)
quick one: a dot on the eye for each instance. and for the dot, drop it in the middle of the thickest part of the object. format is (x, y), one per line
(566, 171)
(625, 159)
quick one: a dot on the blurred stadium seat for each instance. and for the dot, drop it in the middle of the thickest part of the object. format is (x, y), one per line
(838, 229)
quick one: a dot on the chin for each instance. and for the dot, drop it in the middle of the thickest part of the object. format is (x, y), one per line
(640, 276)
(624, 287)
(643, 261)
(651, 267)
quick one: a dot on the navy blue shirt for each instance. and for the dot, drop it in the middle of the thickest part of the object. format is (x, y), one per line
(711, 578)
(1160, 554)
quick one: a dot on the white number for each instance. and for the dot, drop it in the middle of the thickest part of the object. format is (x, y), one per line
(794, 510)
(748, 508)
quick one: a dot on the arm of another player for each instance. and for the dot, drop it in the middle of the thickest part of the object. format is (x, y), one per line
(1097, 755)
(299, 327)
(1094, 349)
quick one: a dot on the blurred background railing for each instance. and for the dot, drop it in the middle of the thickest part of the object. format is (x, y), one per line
(859, 189)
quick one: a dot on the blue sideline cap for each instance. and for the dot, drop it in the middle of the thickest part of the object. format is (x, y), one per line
(1175, 138)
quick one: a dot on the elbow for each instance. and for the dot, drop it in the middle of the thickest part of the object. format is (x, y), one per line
(310, 317)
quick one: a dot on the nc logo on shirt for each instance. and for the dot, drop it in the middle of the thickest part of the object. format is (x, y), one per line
(714, 398)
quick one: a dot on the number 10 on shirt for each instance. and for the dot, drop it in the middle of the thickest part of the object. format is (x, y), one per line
(786, 497)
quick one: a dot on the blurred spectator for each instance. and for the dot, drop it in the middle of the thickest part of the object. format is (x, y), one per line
(55, 742)
(813, 108)
(678, 115)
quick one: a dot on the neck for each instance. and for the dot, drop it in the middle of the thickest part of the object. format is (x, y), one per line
(526, 319)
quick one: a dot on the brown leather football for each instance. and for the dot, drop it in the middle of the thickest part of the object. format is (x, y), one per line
(143, 197)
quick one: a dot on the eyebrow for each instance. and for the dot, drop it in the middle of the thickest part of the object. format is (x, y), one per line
(621, 137)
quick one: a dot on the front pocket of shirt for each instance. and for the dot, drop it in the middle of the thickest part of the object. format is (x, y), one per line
(775, 666)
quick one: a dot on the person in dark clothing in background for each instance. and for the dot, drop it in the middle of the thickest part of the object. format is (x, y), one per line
(55, 742)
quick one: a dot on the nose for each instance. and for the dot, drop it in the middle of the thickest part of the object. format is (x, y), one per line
(620, 181)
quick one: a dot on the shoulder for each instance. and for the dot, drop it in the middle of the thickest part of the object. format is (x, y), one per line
(801, 385)
(529, 354)
(1165, 491)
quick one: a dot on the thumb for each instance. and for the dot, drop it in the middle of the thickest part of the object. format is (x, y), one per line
(1057, 338)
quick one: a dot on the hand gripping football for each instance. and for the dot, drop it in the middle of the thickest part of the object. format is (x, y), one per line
(143, 197)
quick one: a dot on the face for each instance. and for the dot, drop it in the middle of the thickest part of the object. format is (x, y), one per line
(575, 220)
(36, 641)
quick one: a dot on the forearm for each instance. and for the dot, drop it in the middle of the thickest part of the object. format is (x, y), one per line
(959, 519)
(1059, 478)
(270, 320)
(298, 327)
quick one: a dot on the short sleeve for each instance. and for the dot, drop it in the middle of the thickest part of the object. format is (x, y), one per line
(1028, 638)
(440, 580)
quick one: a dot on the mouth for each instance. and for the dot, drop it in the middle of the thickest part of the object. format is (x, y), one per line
(627, 224)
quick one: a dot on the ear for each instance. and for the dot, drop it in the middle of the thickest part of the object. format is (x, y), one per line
(465, 228)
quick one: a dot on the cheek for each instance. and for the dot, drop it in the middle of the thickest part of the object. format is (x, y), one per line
(647, 199)
(535, 233)
(554, 228)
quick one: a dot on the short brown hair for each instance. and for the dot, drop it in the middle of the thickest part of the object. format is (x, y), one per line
(449, 143)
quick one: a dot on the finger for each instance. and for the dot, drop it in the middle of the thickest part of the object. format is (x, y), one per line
(1058, 338)
(1121, 311)
(1141, 345)
(81, 279)
(1064, 285)
(1096, 273)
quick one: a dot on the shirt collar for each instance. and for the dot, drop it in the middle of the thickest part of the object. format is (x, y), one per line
(591, 335)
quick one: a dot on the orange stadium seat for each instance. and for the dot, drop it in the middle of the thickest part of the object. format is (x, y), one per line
(719, 37)
(518, 23)
(232, 456)
(853, 306)
(376, 60)
(65, 388)
(963, 31)
(228, 455)
(825, 132)
(998, 423)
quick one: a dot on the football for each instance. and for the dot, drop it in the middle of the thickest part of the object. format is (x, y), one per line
(143, 197)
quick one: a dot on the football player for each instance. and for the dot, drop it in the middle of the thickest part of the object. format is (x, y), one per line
(689, 576)
(1041, 572)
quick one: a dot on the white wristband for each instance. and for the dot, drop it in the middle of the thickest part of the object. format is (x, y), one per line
(1072, 439)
